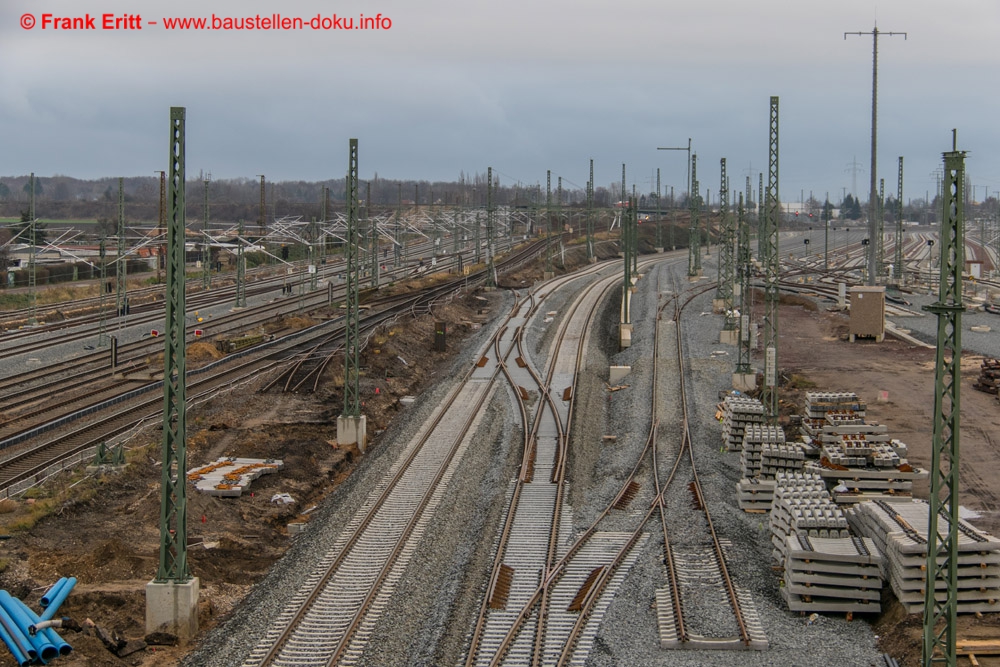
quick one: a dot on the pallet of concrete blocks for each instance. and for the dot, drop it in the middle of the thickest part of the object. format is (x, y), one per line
(899, 528)
(802, 505)
(754, 494)
(855, 484)
(989, 376)
(780, 458)
(738, 413)
(755, 438)
(833, 574)
(846, 405)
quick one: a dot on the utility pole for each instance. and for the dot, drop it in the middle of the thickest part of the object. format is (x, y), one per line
(687, 183)
(687, 177)
(872, 202)
(673, 219)
(160, 230)
(760, 216)
(771, 260)
(727, 270)
(32, 230)
(940, 616)
(121, 275)
(826, 233)
(897, 265)
(659, 214)
(351, 424)
(627, 285)
(397, 248)
(102, 331)
(633, 234)
(372, 236)
(854, 167)
(172, 597)
(743, 366)
(262, 217)
(241, 269)
(694, 231)
(548, 222)
(880, 239)
(590, 215)
(559, 218)
(491, 278)
(206, 253)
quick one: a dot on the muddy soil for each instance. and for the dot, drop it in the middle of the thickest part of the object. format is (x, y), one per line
(815, 353)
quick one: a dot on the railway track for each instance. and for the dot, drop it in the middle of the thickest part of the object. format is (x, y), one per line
(330, 618)
(699, 605)
(534, 534)
(574, 590)
(35, 456)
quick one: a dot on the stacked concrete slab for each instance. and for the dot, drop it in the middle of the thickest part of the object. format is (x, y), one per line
(899, 528)
(803, 506)
(858, 459)
(845, 403)
(738, 413)
(754, 494)
(780, 457)
(833, 574)
(764, 454)
(227, 477)
(757, 437)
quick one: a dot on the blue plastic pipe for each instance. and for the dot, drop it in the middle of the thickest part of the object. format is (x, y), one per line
(17, 646)
(61, 594)
(45, 649)
(48, 633)
(51, 593)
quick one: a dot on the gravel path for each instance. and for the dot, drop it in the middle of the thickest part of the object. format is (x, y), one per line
(923, 325)
(441, 590)
(230, 642)
(628, 635)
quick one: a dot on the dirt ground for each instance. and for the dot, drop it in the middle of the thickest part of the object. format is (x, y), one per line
(814, 353)
(103, 529)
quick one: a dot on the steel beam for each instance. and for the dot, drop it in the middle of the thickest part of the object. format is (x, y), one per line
(727, 271)
(173, 565)
(590, 214)
(491, 278)
(771, 262)
(206, 253)
(121, 264)
(940, 616)
(743, 364)
(897, 264)
(352, 340)
(694, 233)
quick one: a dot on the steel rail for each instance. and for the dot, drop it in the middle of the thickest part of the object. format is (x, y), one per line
(274, 652)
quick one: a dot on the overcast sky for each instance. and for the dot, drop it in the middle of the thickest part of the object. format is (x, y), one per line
(517, 85)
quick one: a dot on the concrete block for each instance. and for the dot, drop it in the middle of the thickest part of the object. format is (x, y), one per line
(624, 335)
(718, 305)
(658, 250)
(616, 373)
(547, 275)
(353, 431)
(173, 607)
(729, 336)
(744, 381)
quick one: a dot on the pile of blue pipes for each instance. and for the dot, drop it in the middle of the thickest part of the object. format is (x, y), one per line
(31, 637)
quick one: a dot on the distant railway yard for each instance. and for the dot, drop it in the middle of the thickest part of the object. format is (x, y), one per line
(537, 487)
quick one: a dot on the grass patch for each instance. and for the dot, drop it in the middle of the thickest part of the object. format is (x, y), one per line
(30, 515)
(800, 382)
